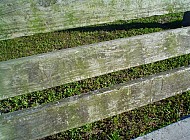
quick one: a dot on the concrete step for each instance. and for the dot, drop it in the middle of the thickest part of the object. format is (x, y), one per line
(176, 131)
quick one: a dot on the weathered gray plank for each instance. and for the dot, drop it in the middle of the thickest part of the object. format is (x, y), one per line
(78, 110)
(44, 71)
(26, 17)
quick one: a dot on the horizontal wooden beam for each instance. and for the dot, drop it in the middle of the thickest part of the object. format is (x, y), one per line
(34, 73)
(86, 108)
(26, 17)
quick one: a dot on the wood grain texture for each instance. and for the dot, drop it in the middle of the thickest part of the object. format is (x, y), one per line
(86, 108)
(29, 74)
(26, 17)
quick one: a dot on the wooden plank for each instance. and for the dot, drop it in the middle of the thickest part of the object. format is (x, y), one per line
(26, 17)
(86, 108)
(44, 71)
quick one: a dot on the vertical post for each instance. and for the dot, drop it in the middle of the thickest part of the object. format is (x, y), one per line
(186, 19)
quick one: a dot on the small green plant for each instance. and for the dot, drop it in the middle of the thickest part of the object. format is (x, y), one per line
(114, 136)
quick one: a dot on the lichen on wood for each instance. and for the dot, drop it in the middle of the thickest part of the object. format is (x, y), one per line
(79, 110)
(34, 73)
(23, 17)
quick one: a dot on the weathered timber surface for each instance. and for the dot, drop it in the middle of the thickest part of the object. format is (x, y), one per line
(26, 17)
(86, 108)
(44, 71)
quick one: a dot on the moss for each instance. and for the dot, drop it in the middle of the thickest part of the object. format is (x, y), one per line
(159, 114)
(171, 44)
(140, 4)
(3, 33)
(2, 89)
(42, 43)
(37, 23)
(47, 3)
(82, 66)
(6, 130)
(56, 8)
(171, 8)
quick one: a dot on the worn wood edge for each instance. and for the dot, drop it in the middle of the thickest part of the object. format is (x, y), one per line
(79, 110)
(34, 73)
(23, 17)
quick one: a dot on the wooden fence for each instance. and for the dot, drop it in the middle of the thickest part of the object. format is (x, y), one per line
(35, 73)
